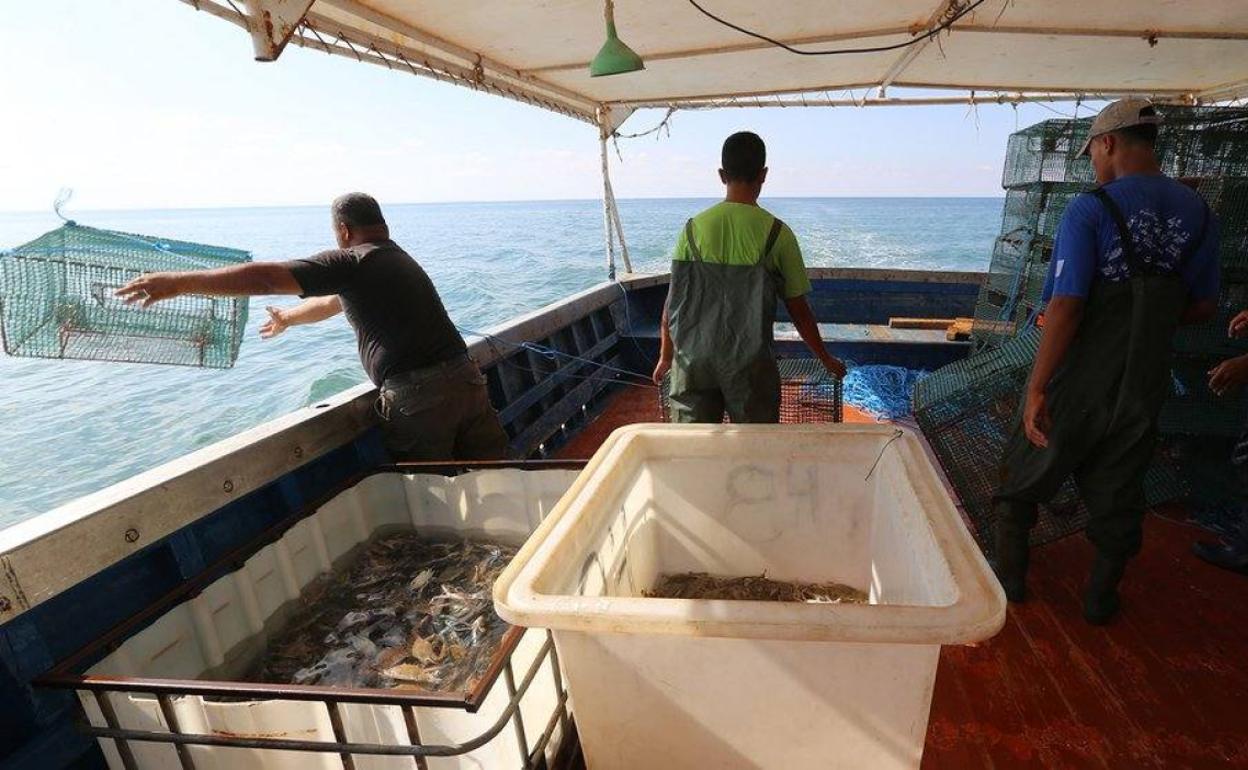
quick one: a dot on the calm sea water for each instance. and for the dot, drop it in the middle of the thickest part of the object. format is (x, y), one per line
(70, 428)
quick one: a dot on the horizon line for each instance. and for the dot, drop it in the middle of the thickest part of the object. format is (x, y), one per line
(509, 200)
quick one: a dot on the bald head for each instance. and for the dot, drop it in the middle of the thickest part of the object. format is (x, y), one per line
(357, 219)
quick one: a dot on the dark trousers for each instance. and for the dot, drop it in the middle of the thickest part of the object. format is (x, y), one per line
(1108, 463)
(442, 412)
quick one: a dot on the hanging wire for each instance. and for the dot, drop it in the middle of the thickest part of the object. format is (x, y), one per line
(896, 435)
(952, 15)
(664, 125)
(664, 128)
(1058, 112)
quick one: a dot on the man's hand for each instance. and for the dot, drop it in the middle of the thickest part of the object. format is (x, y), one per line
(835, 367)
(1036, 420)
(660, 370)
(152, 287)
(276, 324)
(1229, 375)
(1239, 325)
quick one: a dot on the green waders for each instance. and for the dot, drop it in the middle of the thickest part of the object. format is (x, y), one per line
(722, 320)
(1104, 401)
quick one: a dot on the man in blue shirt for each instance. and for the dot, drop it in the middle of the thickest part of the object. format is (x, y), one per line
(1132, 260)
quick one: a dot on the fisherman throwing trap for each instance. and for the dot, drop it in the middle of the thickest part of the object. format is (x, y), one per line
(433, 397)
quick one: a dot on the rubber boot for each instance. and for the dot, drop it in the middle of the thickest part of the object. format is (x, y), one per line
(1231, 554)
(1013, 552)
(1100, 602)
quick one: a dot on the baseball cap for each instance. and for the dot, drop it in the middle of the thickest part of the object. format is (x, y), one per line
(1121, 114)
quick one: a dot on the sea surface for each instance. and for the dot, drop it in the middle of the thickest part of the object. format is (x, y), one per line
(68, 428)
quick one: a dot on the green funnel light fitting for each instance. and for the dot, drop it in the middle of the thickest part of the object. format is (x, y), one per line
(614, 58)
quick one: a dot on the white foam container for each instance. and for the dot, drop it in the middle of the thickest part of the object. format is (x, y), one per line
(225, 619)
(676, 684)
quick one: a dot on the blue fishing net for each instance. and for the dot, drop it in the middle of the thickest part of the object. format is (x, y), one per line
(882, 391)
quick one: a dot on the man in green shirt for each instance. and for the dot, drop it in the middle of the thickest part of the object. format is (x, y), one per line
(732, 263)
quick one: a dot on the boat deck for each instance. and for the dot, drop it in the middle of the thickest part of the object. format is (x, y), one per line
(1161, 687)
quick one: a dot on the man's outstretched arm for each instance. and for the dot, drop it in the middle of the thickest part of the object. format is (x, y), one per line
(254, 278)
(309, 311)
(808, 327)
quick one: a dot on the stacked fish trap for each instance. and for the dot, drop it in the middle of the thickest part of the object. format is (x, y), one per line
(966, 410)
(808, 393)
(57, 300)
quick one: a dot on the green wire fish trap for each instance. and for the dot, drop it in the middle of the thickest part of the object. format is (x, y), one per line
(967, 412)
(57, 300)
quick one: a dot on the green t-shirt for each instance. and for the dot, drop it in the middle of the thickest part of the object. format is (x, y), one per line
(735, 234)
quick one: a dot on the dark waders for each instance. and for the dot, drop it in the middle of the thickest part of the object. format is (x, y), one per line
(722, 320)
(1104, 401)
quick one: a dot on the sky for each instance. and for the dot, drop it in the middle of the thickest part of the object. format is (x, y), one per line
(150, 104)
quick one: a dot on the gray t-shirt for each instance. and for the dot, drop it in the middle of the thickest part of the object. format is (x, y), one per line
(398, 317)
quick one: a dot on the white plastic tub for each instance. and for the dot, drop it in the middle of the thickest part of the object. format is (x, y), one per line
(665, 683)
(221, 628)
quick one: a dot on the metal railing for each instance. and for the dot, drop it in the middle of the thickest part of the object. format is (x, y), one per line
(530, 759)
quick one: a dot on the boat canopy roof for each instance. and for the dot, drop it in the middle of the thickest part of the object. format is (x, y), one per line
(538, 51)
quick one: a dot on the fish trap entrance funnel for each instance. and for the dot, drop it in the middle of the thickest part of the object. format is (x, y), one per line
(57, 301)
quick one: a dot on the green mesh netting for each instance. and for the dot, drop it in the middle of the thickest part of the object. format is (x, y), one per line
(1191, 142)
(1206, 146)
(1010, 295)
(966, 409)
(1046, 152)
(57, 301)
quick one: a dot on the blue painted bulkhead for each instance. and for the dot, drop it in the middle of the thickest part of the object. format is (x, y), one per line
(860, 308)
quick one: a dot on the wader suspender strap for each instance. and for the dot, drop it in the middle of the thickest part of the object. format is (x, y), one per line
(1124, 232)
(776, 225)
(691, 243)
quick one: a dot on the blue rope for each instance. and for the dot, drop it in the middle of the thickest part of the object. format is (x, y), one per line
(880, 390)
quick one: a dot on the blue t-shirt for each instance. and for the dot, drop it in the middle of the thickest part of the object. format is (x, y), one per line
(1166, 219)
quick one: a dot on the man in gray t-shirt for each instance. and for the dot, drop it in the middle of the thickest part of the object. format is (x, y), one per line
(433, 397)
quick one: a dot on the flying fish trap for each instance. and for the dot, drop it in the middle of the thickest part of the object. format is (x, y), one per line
(57, 300)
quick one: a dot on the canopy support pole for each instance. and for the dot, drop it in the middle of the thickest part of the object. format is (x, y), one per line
(612, 226)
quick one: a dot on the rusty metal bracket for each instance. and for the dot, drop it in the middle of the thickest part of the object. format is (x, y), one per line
(272, 23)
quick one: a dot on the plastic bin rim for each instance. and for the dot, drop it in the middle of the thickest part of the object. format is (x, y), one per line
(977, 613)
